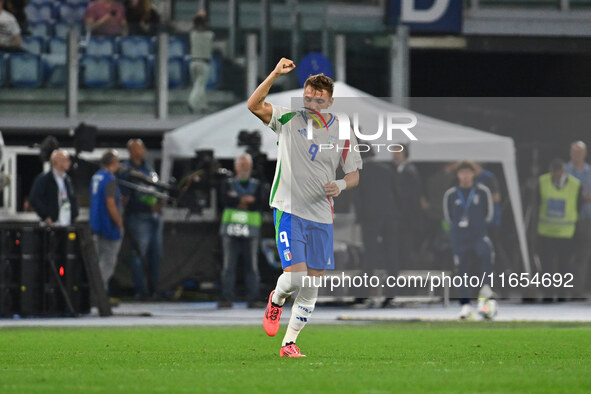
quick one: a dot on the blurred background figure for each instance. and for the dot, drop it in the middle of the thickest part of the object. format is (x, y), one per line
(142, 17)
(17, 8)
(468, 208)
(240, 230)
(435, 187)
(143, 220)
(490, 180)
(10, 31)
(201, 39)
(408, 189)
(378, 212)
(581, 170)
(52, 195)
(105, 214)
(105, 18)
(559, 203)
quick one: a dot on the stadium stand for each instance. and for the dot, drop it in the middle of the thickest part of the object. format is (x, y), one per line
(133, 72)
(136, 46)
(2, 70)
(54, 70)
(40, 29)
(101, 46)
(61, 29)
(177, 47)
(43, 12)
(32, 44)
(177, 72)
(70, 13)
(24, 70)
(97, 71)
(56, 45)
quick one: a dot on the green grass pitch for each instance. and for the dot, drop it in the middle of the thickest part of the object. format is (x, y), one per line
(375, 358)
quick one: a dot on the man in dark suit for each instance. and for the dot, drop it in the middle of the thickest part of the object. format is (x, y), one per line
(377, 212)
(408, 189)
(52, 195)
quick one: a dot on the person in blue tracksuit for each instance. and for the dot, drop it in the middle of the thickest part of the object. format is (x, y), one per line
(468, 208)
(105, 214)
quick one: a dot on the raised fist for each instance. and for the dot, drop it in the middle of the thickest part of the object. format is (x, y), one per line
(284, 66)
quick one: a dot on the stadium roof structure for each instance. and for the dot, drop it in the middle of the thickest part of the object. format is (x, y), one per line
(437, 140)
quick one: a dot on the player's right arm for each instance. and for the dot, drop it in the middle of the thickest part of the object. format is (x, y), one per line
(256, 103)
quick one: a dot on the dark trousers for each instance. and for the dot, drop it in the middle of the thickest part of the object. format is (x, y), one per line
(380, 250)
(555, 256)
(464, 253)
(582, 259)
(409, 243)
(248, 248)
(380, 245)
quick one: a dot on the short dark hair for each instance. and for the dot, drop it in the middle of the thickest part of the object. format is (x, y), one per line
(200, 21)
(320, 82)
(109, 157)
(465, 165)
(405, 150)
(556, 165)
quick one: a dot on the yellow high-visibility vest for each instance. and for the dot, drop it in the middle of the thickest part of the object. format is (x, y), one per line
(558, 207)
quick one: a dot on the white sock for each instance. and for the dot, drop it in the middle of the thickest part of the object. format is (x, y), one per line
(287, 284)
(301, 311)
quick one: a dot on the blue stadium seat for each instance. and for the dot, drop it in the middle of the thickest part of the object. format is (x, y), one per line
(32, 44)
(24, 70)
(54, 69)
(177, 73)
(68, 13)
(81, 11)
(40, 29)
(46, 12)
(133, 72)
(37, 2)
(57, 45)
(40, 12)
(177, 46)
(62, 29)
(100, 46)
(215, 71)
(135, 46)
(97, 71)
(3, 69)
(32, 12)
(77, 2)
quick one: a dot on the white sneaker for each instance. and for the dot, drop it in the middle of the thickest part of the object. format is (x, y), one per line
(487, 307)
(467, 312)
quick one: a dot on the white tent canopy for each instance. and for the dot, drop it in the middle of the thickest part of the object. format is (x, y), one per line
(437, 140)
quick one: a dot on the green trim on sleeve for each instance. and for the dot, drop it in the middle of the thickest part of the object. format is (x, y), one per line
(276, 185)
(287, 117)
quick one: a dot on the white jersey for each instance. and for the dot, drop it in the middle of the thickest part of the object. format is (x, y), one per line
(304, 166)
(9, 28)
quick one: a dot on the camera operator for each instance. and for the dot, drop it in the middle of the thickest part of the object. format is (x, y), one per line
(240, 230)
(143, 221)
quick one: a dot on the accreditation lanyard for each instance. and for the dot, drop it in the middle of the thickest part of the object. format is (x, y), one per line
(464, 221)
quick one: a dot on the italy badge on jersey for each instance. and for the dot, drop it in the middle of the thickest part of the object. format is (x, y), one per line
(287, 255)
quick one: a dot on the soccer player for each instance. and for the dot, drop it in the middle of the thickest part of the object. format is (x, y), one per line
(302, 195)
